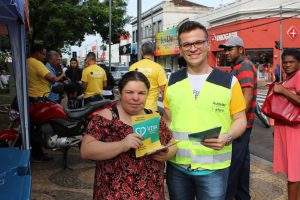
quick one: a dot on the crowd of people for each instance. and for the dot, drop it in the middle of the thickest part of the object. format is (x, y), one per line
(196, 98)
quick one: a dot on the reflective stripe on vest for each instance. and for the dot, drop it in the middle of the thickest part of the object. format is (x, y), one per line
(207, 159)
(202, 158)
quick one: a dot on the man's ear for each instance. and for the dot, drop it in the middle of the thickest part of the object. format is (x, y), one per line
(241, 50)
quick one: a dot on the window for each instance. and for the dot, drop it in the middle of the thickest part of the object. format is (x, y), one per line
(133, 36)
(154, 28)
(159, 28)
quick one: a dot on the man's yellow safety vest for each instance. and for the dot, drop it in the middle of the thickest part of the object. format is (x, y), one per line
(189, 115)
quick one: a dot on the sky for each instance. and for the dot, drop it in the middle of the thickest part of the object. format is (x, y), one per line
(146, 5)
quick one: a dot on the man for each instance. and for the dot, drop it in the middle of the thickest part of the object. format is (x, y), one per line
(155, 74)
(52, 62)
(39, 80)
(93, 80)
(200, 98)
(39, 77)
(245, 71)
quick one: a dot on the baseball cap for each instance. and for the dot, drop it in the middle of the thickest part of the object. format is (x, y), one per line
(232, 42)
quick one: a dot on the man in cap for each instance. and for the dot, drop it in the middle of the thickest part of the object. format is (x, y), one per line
(245, 71)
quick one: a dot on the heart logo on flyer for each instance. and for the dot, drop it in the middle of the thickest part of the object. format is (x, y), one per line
(141, 130)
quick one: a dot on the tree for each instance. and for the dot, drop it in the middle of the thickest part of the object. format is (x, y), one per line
(56, 23)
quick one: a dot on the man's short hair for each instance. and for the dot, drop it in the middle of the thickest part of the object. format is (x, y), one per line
(51, 54)
(91, 56)
(147, 49)
(37, 48)
(190, 26)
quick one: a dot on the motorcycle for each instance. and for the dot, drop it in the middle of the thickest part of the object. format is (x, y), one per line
(57, 128)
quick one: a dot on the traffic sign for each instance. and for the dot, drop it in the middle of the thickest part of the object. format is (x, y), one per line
(293, 32)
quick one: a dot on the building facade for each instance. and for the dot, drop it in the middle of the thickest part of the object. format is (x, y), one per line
(164, 17)
(258, 24)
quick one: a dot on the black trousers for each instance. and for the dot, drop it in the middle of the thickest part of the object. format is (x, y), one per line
(239, 170)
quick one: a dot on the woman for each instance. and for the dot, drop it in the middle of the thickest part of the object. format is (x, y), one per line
(287, 137)
(73, 89)
(108, 92)
(109, 140)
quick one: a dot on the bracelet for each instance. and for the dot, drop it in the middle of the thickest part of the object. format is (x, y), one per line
(229, 139)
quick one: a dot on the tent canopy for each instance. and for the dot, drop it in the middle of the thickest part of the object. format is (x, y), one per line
(14, 19)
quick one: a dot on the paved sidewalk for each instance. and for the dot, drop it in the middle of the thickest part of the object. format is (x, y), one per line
(51, 182)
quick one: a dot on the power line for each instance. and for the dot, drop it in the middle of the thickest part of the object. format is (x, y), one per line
(260, 24)
(249, 20)
(256, 19)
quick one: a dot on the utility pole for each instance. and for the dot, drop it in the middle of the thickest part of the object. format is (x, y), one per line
(280, 49)
(109, 45)
(152, 35)
(139, 28)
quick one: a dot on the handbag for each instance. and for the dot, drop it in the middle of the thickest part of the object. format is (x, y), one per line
(278, 107)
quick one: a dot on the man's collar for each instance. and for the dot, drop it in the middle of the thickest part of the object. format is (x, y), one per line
(238, 61)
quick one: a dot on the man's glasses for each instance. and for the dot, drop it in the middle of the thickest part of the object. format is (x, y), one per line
(197, 44)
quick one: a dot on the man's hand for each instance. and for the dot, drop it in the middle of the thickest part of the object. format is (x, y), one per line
(216, 143)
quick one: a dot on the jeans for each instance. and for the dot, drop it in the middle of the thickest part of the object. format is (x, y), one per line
(203, 187)
(97, 97)
(239, 170)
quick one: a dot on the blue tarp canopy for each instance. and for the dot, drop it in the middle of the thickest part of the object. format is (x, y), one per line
(12, 16)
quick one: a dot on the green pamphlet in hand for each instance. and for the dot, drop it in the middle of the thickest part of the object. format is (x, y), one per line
(200, 136)
(147, 126)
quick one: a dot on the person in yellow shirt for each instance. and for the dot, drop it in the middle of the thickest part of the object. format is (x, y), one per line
(93, 80)
(39, 77)
(39, 84)
(155, 74)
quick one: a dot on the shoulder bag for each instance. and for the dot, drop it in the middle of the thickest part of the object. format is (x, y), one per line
(278, 107)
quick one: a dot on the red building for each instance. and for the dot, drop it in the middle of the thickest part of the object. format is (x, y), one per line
(259, 37)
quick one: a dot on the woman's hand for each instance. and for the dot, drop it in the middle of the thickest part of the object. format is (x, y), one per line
(166, 153)
(161, 155)
(279, 89)
(133, 141)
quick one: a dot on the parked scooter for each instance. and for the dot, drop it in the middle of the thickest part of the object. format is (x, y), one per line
(57, 128)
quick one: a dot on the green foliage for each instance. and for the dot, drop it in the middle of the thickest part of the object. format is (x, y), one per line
(57, 23)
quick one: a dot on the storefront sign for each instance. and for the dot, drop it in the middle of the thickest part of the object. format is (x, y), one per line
(166, 43)
(125, 49)
(293, 32)
(223, 37)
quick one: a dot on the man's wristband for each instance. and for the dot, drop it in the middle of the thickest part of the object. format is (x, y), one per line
(229, 139)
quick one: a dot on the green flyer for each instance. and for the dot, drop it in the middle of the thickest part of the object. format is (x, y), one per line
(148, 126)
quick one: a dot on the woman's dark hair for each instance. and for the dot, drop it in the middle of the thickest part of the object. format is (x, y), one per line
(190, 26)
(74, 59)
(133, 76)
(291, 52)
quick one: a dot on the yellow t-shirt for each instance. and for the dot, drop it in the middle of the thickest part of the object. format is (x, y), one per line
(156, 76)
(37, 84)
(237, 103)
(94, 76)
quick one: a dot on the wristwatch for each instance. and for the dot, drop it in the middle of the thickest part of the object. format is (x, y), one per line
(229, 139)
